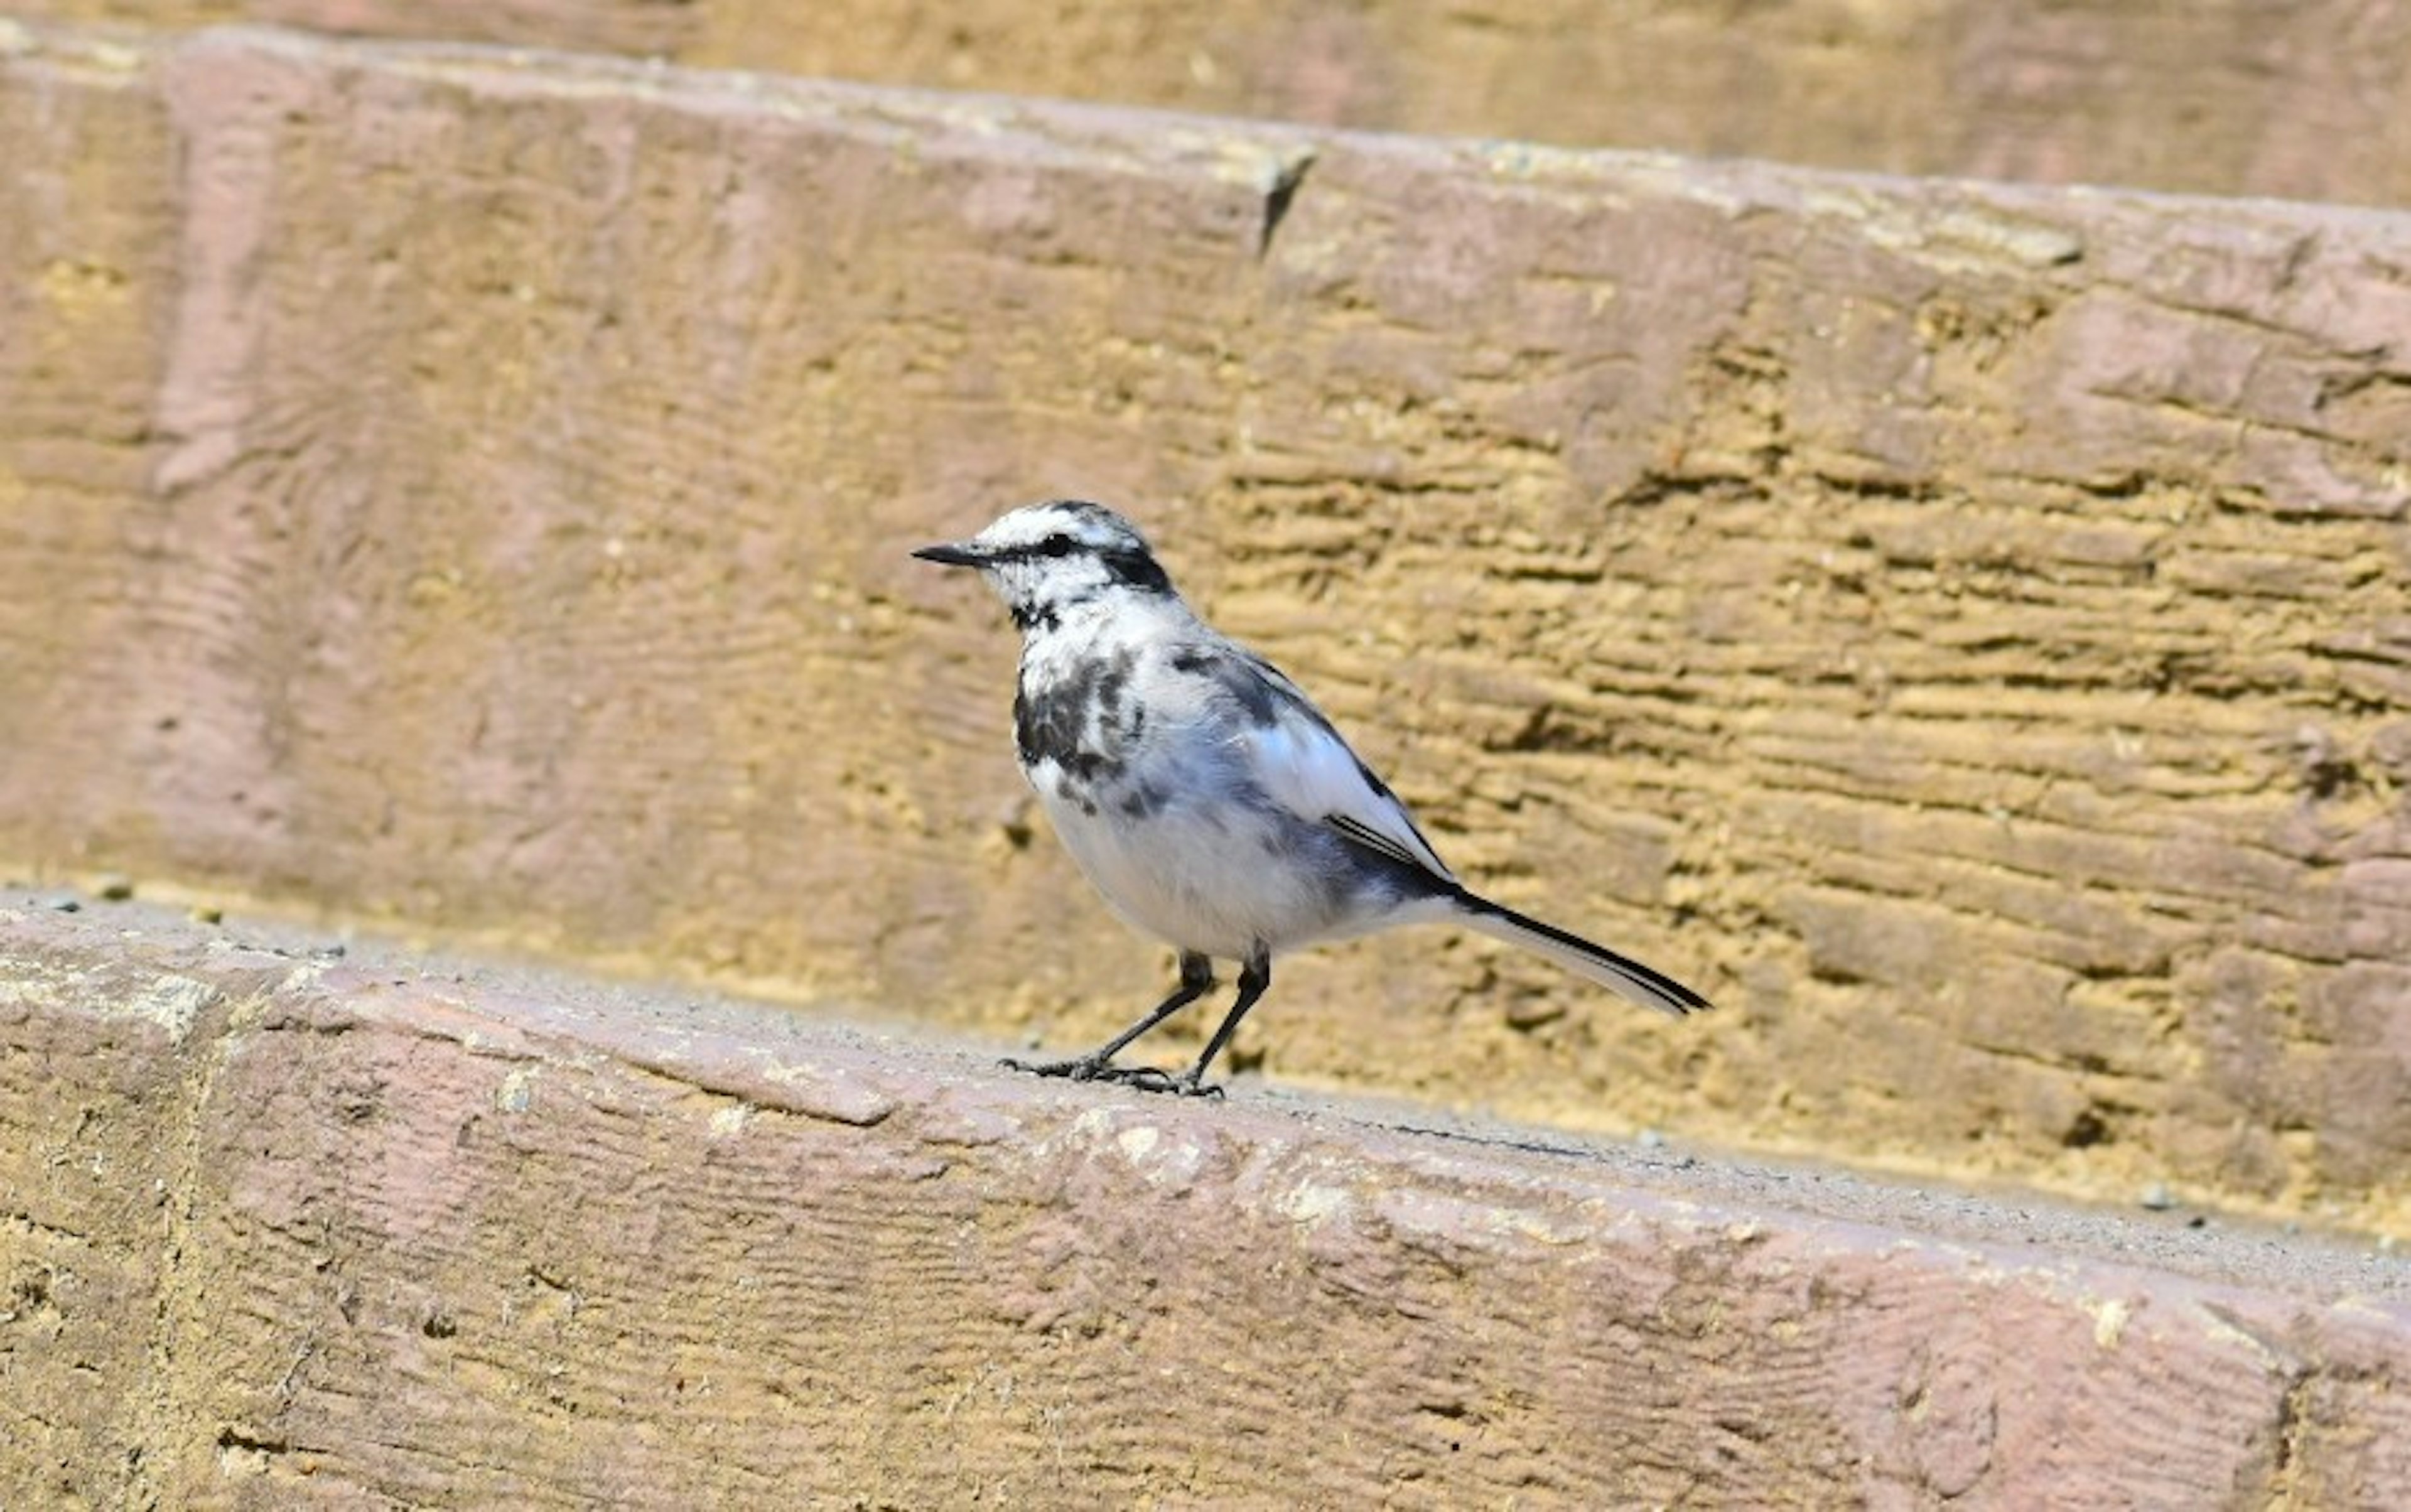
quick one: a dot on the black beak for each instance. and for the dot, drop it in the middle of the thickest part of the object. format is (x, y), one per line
(952, 554)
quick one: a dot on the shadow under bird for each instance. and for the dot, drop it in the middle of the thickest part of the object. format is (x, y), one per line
(1206, 796)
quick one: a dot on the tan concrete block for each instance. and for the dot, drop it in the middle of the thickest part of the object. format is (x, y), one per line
(2220, 96)
(1952, 624)
(103, 1059)
(87, 281)
(443, 1233)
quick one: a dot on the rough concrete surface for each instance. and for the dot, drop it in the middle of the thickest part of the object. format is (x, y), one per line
(2307, 99)
(281, 1227)
(1962, 629)
(1959, 628)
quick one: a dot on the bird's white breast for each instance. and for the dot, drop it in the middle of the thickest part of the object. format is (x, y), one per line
(1170, 821)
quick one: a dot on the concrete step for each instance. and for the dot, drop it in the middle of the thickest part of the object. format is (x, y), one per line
(1959, 627)
(2301, 101)
(283, 1225)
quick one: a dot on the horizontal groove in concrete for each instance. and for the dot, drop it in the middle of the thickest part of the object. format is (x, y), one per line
(275, 1221)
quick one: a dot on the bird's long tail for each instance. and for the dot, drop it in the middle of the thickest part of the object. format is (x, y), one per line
(1629, 977)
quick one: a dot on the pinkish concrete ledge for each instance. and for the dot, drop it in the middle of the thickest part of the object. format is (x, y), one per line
(376, 1228)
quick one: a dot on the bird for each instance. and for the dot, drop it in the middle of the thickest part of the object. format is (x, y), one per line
(1202, 792)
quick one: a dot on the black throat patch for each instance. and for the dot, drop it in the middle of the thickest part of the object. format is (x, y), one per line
(1081, 721)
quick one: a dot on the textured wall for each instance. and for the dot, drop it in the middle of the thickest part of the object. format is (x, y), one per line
(2306, 99)
(280, 1232)
(1963, 630)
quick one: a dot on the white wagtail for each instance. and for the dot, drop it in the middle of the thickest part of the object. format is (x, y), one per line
(1203, 795)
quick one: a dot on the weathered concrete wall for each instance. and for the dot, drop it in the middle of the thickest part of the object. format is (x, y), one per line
(276, 1231)
(2307, 99)
(1961, 629)
(89, 233)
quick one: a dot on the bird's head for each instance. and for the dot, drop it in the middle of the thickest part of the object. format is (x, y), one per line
(1043, 559)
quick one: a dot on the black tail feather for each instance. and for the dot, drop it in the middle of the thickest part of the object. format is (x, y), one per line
(1645, 985)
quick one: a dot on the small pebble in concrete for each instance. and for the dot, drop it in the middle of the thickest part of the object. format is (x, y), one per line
(2157, 1198)
(61, 904)
(114, 886)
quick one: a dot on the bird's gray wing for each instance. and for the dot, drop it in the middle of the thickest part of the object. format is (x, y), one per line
(1304, 765)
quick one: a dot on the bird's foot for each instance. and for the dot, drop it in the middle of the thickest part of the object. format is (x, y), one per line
(1139, 1077)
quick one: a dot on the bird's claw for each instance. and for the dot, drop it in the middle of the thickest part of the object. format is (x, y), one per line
(1138, 1078)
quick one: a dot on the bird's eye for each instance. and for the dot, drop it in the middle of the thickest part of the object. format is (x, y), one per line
(1055, 545)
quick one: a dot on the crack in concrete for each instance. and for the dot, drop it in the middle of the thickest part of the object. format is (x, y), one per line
(1288, 178)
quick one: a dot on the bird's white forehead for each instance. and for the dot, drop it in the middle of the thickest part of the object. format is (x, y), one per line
(1091, 525)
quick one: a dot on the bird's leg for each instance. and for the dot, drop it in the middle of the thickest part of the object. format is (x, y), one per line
(1255, 974)
(1196, 980)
